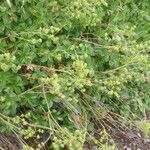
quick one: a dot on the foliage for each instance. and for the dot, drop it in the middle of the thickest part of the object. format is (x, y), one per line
(65, 62)
(144, 126)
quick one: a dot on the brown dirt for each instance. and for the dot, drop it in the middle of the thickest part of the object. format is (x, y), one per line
(130, 140)
(8, 143)
(123, 137)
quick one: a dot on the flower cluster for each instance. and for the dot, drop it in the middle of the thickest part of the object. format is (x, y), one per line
(7, 62)
(72, 140)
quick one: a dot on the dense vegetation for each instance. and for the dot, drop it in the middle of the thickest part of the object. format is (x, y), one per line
(66, 64)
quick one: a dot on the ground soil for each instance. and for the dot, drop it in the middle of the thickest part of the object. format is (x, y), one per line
(8, 143)
(125, 138)
(130, 140)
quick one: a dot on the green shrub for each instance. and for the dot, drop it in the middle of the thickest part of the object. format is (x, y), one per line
(63, 62)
